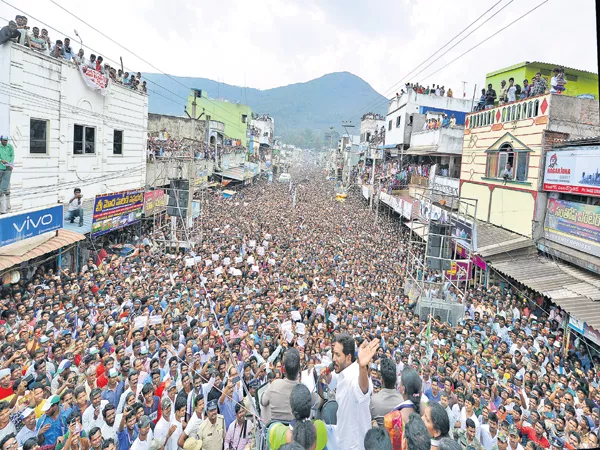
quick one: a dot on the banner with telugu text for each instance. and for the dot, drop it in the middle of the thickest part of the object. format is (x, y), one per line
(94, 79)
(117, 210)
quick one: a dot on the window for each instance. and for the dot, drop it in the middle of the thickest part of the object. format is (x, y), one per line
(368, 139)
(508, 164)
(117, 142)
(398, 121)
(38, 136)
(84, 140)
(390, 125)
(244, 118)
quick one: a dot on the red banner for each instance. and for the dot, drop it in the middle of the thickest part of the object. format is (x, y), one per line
(94, 79)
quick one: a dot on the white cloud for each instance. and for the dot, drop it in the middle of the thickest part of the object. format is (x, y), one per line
(272, 43)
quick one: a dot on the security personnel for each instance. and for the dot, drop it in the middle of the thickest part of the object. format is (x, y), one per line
(211, 433)
(501, 442)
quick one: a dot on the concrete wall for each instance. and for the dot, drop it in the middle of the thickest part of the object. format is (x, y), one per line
(448, 140)
(409, 104)
(578, 81)
(235, 116)
(177, 127)
(35, 86)
(370, 126)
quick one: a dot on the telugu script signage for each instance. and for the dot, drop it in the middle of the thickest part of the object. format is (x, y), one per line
(29, 224)
(94, 79)
(574, 225)
(154, 201)
(117, 210)
(576, 171)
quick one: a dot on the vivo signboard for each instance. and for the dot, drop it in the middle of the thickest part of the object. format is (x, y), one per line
(33, 223)
(573, 170)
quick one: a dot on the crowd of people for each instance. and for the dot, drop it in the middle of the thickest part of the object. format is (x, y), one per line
(512, 92)
(163, 146)
(443, 122)
(435, 89)
(283, 309)
(19, 32)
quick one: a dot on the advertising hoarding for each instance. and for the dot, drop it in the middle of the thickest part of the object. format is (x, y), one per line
(117, 210)
(575, 171)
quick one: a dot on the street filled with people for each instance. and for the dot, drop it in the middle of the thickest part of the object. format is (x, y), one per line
(289, 325)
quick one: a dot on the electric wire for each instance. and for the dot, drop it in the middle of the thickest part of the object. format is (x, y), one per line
(377, 100)
(134, 54)
(489, 37)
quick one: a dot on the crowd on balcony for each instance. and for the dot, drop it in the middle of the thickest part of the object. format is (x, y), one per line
(435, 124)
(512, 92)
(163, 147)
(19, 32)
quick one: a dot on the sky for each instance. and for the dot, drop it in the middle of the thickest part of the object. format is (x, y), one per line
(270, 43)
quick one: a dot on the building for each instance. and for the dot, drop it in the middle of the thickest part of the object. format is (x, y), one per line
(503, 156)
(173, 138)
(70, 128)
(571, 226)
(265, 129)
(235, 116)
(68, 131)
(408, 112)
(370, 125)
(579, 82)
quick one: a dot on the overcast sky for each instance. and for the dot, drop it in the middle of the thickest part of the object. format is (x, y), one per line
(270, 43)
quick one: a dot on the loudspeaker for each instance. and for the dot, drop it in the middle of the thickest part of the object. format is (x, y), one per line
(178, 198)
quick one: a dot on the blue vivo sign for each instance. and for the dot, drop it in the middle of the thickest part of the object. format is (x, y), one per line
(33, 223)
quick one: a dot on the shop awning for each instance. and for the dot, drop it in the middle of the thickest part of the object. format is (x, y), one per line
(235, 173)
(575, 290)
(31, 248)
(492, 240)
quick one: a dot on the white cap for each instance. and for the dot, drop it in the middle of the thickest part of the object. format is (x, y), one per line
(4, 373)
(27, 412)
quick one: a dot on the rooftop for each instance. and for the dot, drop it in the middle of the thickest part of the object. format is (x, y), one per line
(537, 64)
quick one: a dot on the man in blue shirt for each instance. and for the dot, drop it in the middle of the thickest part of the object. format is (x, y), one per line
(51, 424)
(114, 389)
(128, 432)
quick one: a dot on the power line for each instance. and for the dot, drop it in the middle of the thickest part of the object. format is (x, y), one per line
(391, 88)
(134, 54)
(463, 38)
(489, 37)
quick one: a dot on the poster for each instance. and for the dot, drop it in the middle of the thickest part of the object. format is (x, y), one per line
(573, 170)
(575, 225)
(154, 201)
(117, 210)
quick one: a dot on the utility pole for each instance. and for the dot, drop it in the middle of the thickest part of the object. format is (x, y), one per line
(191, 170)
(464, 88)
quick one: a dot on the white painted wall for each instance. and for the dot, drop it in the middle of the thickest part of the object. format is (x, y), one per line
(266, 125)
(370, 127)
(33, 85)
(404, 106)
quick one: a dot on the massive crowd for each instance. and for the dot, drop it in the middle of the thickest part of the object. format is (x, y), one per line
(19, 32)
(284, 309)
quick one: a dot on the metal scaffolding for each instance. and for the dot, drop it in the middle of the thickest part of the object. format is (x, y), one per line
(441, 245)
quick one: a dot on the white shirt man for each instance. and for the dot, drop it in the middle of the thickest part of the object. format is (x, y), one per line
(87, 419)
(485, 437)
(354, 415)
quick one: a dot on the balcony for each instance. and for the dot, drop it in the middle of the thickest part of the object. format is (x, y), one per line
(161, 170)
(441, 140)
(529, 108)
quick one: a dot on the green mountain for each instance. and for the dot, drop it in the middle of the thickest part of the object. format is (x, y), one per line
(303, 112)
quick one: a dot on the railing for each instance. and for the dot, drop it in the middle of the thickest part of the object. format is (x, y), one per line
(418, 180)
(522, 109)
